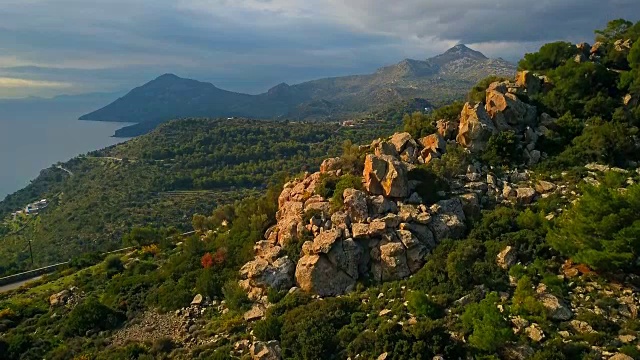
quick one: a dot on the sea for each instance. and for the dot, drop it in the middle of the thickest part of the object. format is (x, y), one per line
(28, 145)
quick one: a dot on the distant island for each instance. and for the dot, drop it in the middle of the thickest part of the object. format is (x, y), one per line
(438, 80)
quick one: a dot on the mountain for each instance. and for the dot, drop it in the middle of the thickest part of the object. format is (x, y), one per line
(439, 79)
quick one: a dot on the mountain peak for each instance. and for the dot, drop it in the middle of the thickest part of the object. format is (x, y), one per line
(168, 76)
(462, 50)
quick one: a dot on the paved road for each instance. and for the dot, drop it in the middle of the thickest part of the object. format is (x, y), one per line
(13, 286)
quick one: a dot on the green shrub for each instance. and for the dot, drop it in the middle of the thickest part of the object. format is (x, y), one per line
(602, 229)
(346, 182)
(488, 328)
(236, 297)
(550, 56)
(421, 305)
(113, 265)
(419, 124)
(524, 300)
(326, 318)
(162, 345)
(268, 329)
(91, 314)
(502, 149)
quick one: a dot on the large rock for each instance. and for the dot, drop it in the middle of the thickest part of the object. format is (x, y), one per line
(331, 164)
(449, 220)
(266, 350)
(556, 308)
(379, 205)
(475, 128)
(391, 262)
(325, 240)
(434, 146)
(277, 275)
(386, 175)
(364, 230)
(415, 249)
(529, 82)
(59, 299)
(316, 274)
(355, 204)
(447, 129)
(422, 232)
(506, 108)
(525, 195)
(346, 255)
(507, 257)
(401, 141)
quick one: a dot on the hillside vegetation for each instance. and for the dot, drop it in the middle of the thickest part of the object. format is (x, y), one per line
(161, 180)
(505, 227)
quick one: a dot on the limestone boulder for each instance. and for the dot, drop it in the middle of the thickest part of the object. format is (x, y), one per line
(544, 187)
(556, 308)
(448, 221)
(433, 145)
(525, 195)
(422, 232)
(529, 82)
(355, 204)
(401, 141)
(386, 175)
(416, 250)
(507, 257)
(325, 240)
(346, 256)
(506, 108)
(60, 298)
(331, 164)
(475, 128)
(316, 274)
(447, 129)
(262, 274)
(391, 262)
(266, 350)
(379, 205)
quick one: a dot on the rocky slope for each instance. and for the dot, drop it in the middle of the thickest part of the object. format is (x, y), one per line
(384, 231)
(438, 80)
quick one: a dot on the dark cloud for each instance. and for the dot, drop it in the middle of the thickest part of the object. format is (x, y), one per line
(250, 45)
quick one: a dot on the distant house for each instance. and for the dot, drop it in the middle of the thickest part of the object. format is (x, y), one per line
(349, 123)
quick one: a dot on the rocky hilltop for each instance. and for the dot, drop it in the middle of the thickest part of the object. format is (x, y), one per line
(384, 231)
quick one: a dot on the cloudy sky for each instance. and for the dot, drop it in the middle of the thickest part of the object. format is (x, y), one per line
(50, 47)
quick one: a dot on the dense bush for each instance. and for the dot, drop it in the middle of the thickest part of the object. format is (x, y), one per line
(602, 229)
(419, 124)
(91, 314)
(488, 328)
(550, 56)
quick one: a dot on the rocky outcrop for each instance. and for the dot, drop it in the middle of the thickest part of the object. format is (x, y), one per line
(270, 350)
(386, 175)
(384, 231)
(475, 128)
(434, 146)
(507, 257)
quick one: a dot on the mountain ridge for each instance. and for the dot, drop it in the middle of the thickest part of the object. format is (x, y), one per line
(438, 79)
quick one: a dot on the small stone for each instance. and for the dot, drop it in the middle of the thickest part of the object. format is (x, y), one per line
(534, 332)
(626, 338)
(384, 312)
(197, 300)
(256, 313)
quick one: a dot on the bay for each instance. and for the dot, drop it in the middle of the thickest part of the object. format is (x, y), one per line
(29, 145)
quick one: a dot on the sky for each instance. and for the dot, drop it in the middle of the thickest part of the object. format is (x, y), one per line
(52, 47)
